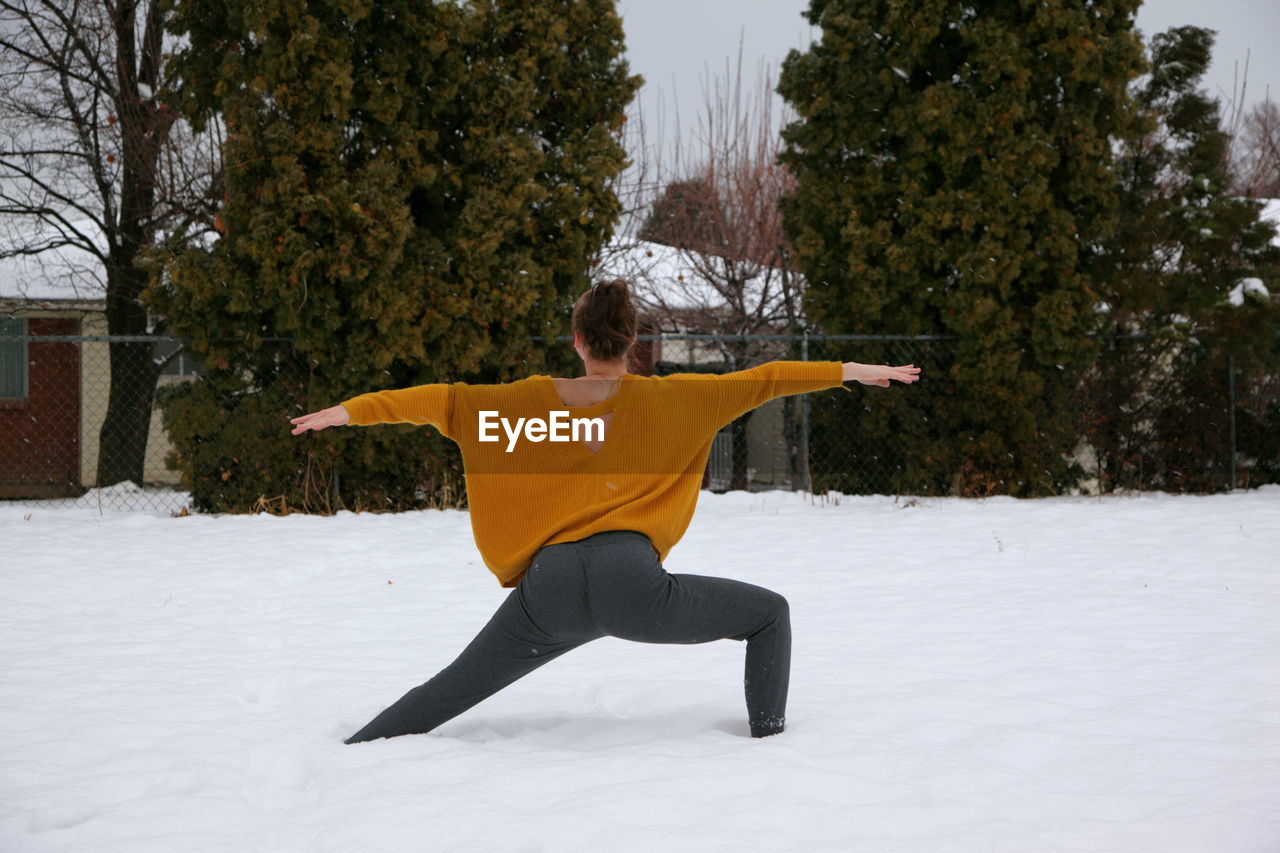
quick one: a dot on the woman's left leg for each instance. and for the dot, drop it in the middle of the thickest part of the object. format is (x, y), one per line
(634, 598)
(541, 619)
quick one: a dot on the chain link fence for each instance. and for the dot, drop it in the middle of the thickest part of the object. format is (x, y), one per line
(80, 425)
(1176, 415)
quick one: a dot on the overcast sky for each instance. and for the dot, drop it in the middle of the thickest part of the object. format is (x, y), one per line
(673, 42)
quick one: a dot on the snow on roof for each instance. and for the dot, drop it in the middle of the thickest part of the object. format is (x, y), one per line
(65, 273)
(1271, 213)
(664, 277)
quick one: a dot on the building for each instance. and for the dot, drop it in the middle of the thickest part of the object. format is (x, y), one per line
(55, 377)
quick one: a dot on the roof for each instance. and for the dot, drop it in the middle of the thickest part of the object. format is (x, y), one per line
(1271, 213)
(664, 277)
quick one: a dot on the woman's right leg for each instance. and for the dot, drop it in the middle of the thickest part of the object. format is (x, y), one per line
(541, 619)
(633, 597)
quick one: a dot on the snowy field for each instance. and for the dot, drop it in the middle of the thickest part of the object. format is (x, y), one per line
(1070, 674)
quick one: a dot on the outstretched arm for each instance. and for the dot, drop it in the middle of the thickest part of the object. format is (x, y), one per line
(880, 374)
(734, 394)
(421, 404)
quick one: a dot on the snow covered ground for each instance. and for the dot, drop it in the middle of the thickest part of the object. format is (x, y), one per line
(1070, 674)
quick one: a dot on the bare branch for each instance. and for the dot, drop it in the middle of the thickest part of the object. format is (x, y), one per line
(724, 265)
(47, 188)
(77, 139)
(70, 27)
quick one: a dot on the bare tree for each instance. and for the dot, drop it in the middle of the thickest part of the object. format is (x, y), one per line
(636, 187)
(1257, 152)
(721, 214)
(711, 256)
(1253, 138)
(93, 156)
(722, 184)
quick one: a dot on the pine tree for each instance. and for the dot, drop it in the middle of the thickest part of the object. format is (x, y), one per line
(412, 191)
(954, 171)
(1181, 245)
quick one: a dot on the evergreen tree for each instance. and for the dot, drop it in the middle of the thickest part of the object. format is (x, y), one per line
(1181, 245)
(955, 175)
(413, 190)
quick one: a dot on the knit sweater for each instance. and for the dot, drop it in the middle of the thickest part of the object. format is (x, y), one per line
(526, 490)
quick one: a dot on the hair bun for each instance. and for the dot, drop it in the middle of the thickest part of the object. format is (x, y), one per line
(606, 319)
(615, 289)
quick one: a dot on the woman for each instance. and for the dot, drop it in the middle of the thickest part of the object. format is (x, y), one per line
(580, 526)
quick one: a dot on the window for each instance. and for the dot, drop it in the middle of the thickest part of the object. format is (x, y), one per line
(184, 363)
(13, 358)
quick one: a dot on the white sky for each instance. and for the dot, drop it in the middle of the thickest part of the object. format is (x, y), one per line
(674, 43)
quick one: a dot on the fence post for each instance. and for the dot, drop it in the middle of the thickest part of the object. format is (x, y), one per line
(1231, 394)
(804, 415)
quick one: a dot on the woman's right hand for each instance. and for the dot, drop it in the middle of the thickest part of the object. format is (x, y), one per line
(332, 416)
(880, 374)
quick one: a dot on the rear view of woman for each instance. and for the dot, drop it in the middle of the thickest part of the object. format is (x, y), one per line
(579, 488)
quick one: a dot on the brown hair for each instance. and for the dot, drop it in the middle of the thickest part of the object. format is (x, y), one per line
(606, 319)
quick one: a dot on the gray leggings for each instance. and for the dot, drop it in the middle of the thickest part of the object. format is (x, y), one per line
(607, 585)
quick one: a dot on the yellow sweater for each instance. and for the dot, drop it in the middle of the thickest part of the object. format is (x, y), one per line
(526, 490)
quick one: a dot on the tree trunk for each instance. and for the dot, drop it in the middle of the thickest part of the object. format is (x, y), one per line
(122, 442)
(122, 446)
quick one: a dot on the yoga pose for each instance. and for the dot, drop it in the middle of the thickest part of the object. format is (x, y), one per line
(579, 521)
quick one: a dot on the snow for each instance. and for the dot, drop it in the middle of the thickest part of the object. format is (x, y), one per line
(661, 275)
(1271, 213)
(1271, 210)
(1247, 285)
(665, 277)
(1065, 674)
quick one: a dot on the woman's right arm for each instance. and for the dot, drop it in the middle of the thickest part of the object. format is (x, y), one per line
(422, 404)
(880, 374)
(727, 396)
(332, 416)
(734, 394)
